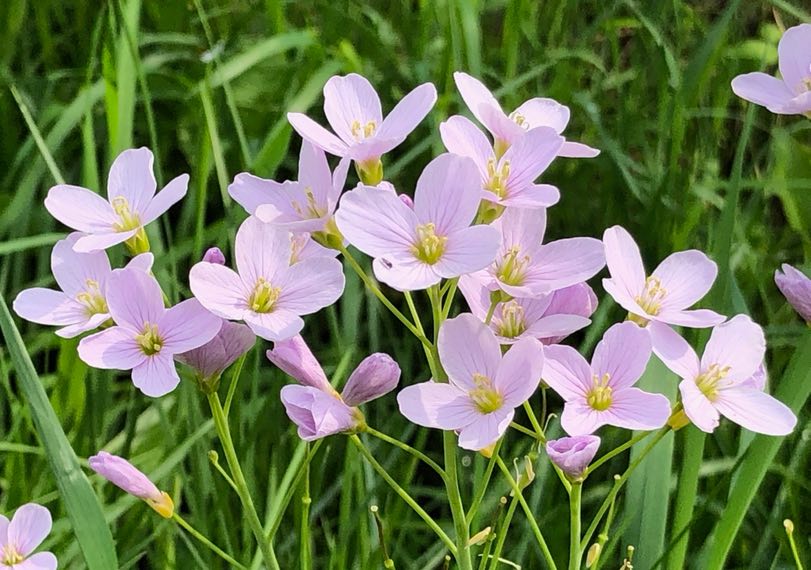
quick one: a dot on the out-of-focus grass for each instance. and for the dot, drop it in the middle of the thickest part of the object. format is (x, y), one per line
(207, 85)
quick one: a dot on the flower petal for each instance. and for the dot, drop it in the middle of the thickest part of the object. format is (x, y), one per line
(76, 329)
(632, 408)
(762, 89)
(486, 429)
(251, 191)
(435, 405)
(522, 228)
(531, 196)
(624, 262)
(134, 298)
(794, 54)
(99, 241)
(467, 347)
(311, 131)
(261, 251)
(187, 325)
(622, 354)
(48, 307)
(295, 359)
(275, 326)
(376, 222)
(468, 250)
(376, 375)
(170, 195)
(111, 349)
(544, 112)
(310, 285)
(686, 276)
(219, 289)
(738, 344)
(351, 100)
(477, 97)
(124, 475)
(156, 376)
(447, 193)
(520, 371)
(698, 318)
(697, 407)
(461, 137)
(80, 209)
(578, 418)
(674, 351)
(409, 275)
(38, 561)
(72, 269)
(571, 149)
(408, 113)
(314, 172)
(566, 372)
(565, 262)
(131, 178)
(756, 411)
(530, 155)
(316, 413)
(29, 526)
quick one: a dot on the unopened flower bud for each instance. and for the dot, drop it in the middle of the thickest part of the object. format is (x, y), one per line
(214, 255)
(573, 454)
(376, 375)
(128, 478)
(525, 475)
(796, 287)
(593, 554)
(480, 537)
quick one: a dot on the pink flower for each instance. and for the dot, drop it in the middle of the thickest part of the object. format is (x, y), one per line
(796, 288)
(27, 529)
(790, 95)
(315, 406)
(728, 380)
(131, 204)
(578, 299)
(680, 281)
(129, 479)
(538, 318)
(524, 267)
(602, 393)
(147, 335)
(81, 304)
(210, 360)
(214, 255)
(353, 111)
(507, 129)
(573, 454)
(268, 293)
(484, 388)
(508, 180)
(416, 248)
(303, 206)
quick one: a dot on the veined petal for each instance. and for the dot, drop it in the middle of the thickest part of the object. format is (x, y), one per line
(317, 414)
(98, 241)
(486, 429)
(624, 261)
(348, 100)
(447, 193)
(565, 262)
(460, 136)
(571, 149)
(674, 351)
(544, 112)
(314, 172)
(73, 270)
(756, 411)
(311, 131)
(435, 405)
(251, 191)
(762, 89)
(632, 408)
(468, 250)
(468, 347)
(111, 349)
(310, 285)
(523, 228)
(532, 196)
(156, 376)
(566, 372)
(262, 251)
(295, 359)
(88, 324)
(408, 113)
(275, 326)
(738, 344)
(134, 298)
(29, 526)
(794, 51)
(697, 318)
(697, 407)
(48, 307)
(622, 354)
(530, 155)
(187, 325)
(38, 561)
(477, 97)
(686, 276)
(376, 222)
(405, 275)
(131, 177)
(578, 418)
(520, 371)
(170, 195)
(80, 209)
(219, 289)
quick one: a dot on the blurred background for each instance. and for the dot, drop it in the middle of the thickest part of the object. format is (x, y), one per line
(206, 85)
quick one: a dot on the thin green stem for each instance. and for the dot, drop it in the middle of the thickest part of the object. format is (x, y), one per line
(483, 484)
(616, 451)
(409, 500)
(232, 387)
(216, 463)
(449, 295)
(789, 526)
(305, 555)
(205, 541)
(536, 425)
(575, 551)
(276, 518)
(224, 433)
(490, 311)
(602, 538)
(502, 535)
(408, 449)
(524, 430)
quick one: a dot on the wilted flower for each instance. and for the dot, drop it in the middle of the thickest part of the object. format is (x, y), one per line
(573, 454)
(484, 388)
(790, 95)
(131, 204)
(19, 537)
(796, 287)
(128, 478)
(81, 305)
(210, 360)
(147, 335)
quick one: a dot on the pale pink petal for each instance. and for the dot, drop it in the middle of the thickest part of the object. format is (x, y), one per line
(38, 561)
(187, 325)
(467, 347)
(796, 288)
(447, 193)
(503, 128)
(467, 250)
(435, 405)
(288, 208)
(376, 375)
(476, 295)
(631, 408)
(338, 183)
(544, 112)
(295, 359)
(519, 373)
(371, 149)
(72, 269)
(219, 289)
(261, 251)
(114, 348)
(530, 155)
(623, 354)
(686, 276)
(460, 136)
(143, 261)
(697, 407)
(578, 418)
(697, 318)
(310, 285)
(556, 327)
(620, 294)
(314, 172)
(573, 454)
(134, 298)
(522, 227)
(477, 97)
(408, 275)
(311, 131)
(316, 413)
(571, 149)
(275, 326)
(566, 372)
(48, 307)
(799, 105)
(4, 522)
(756, 411)
(170, 195)
(531, 196)
(98, 241)
(80, 209)
(89, 324)
(156, 376)
(738, 344)
(132, 179)
(29, 526)
(762, 89)
(408, 113)
(565, 262)
(758, 380)
(348, 100)
(486, 429)
(376, 222)
(673, 350)
(794, 51)
(250, 191)
(624, 262)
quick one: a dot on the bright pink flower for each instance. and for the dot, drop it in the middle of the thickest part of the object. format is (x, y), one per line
(680, 281)
(790, 95)
(19, 537)
(353, 111)
(210, 360)
(573, 454)
(538, 318)
(131, 202)
(507, 129)
(796, 288)
(303, 206)
(484, 388)
(81, 305)
(728, 380)
(268, 293)
(524, 267)
(147, 335)
(415, 248)
(602, 393)
(129, 479)
(316, 407)
(508, 180)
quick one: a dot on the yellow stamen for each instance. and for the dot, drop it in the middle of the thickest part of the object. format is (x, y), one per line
(10, 556)
(311, 210)
(497, 177)
(485, 396)
(264, 296)
(512, 322)
(652, 296)
(149, 340)
(513, 267)
(128, 220)
(361, 132)
(429, 247)
(599, 397)
(519, 120)
(708, 380)
(92, 298)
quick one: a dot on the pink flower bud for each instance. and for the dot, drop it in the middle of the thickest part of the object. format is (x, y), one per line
(125, 476)
(296, 359)
(318, 414)
(214, 255)
(210, 360)
(796, 287)
(573, 454)
(377, 375)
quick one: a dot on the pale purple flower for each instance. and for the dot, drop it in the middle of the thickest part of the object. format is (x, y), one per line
(415, 248)
(131, 202)
(303, 206)
(602, 393)
(796, 288)
(728, 380)
(484, 387)
(147, 335)
(524, 267)
(507, 129)
(508, 180)
(129, 479)
(210, 360)
(266, 291)
(81, 304)
(303, 246)
(578, 299)
(790, 95)
(19, 538)
(680, 281)
(353, 111)
(539, 318)
(315, 406)
(214, 255)
(573, 454)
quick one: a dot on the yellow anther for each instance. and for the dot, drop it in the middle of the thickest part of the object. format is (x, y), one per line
(10, 556)
(497, 176)
(485, 396)
(149, 340)
(92, 299)
(513, 267)
(652, 296)
(519, 120)
(360, 132)
(600, 396)
(263, 297)
(708, 380)
(310, 210)
(512, 322)
(128, 220)
(429, 246)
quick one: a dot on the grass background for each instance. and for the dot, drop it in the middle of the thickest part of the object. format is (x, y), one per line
(207, 84)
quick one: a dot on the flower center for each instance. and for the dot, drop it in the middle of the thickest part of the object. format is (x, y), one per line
(10, 556)
(513, 267)
(519, 120)
(512, 322)
(149, 340)
(361, 132)
(128, 220)
(484, 395)
(429, 247)
(92, 299)
(263, 297)
(497, 177)
(599, 397)
(708, 380)
(652, 296)
(311, 210)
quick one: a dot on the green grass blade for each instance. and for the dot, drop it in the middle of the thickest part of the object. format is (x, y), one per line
(43, 148)
(80, 501)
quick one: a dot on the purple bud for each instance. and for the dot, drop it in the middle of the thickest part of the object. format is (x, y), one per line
(378, 374)
(318, 414)
(214, 255)
(796, 287)
(296, 359)
(210, 360)
(573, 454)
(128, 478)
